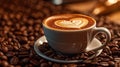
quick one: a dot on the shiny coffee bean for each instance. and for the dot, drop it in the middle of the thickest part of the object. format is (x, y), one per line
(14, 60)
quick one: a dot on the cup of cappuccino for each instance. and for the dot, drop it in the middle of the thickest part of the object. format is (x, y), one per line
(72, 33)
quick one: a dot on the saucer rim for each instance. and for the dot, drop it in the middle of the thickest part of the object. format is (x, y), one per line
(57, 60)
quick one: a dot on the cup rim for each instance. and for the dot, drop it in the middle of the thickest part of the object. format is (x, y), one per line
(53, 29)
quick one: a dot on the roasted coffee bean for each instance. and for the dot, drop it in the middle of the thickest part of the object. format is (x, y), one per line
(111, 63)
(1, 53)
(50, 63)
(10, 54)
(117, 52)
(103, 54)
(11, 65)
(104, 64)
(26, 46)
(44, 65)
(22, 40)
(110, 57)
(72, 65)
(31, 38)
(117, 64)
(4, 63)
(64, 65)
(25, 60)
(3, 57)
(4, 49)
(14, 60)
(114, 48)
(117, 59)
(28, 65)
(56, 65)
(107, 50)
(34, 62)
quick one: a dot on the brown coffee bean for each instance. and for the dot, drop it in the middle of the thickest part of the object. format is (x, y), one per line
(23, 28)
(30, 21)
(11, 66)
(117, 64)
(114, 48)
(103, 54)
(107, 50)
(110, 57)
(34, 62)
(44, 65)
(14, 60)
(26, 46)
(5, 16)
(22, 40)
(116, 52)
(28, 65)
(4, 57)
(31, 38)
(2, 39)
(25, 60)
(56, 65)
(104, 64)
(50, 63)
(10, 53)
(5, 49)
(4, 63)
(94, 63)
(1, 53)
(48, 53)
(118, 33)
(64, 65)
(25, 33)
(111, 63)
(18, 16)
(117, 59)
(87, 61)
(23, 54)
(72, 65)
(42, 61)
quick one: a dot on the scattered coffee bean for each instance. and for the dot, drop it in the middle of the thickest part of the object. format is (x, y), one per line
(111, 63)
(72, 65)
(14, 60)
(3, 57)
(1, 53)
(34, 62)
(44, 65)
(56, 65)
(4, 63)
(104, 64)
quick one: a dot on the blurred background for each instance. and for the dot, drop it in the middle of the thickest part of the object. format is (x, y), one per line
(109, 8)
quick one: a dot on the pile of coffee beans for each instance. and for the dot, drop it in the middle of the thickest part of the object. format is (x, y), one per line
(20, 27)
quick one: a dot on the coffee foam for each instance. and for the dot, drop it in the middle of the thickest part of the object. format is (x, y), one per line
(72, 23)
(54, 22)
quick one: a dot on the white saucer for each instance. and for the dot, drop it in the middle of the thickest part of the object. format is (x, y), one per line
(94, 44)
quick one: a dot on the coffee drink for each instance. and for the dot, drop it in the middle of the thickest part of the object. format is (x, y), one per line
(72, 31)
(69, 22)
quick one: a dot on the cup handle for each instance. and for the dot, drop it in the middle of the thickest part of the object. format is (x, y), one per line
(103, 30)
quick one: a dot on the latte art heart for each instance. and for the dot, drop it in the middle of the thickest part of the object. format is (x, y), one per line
(72, 23)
